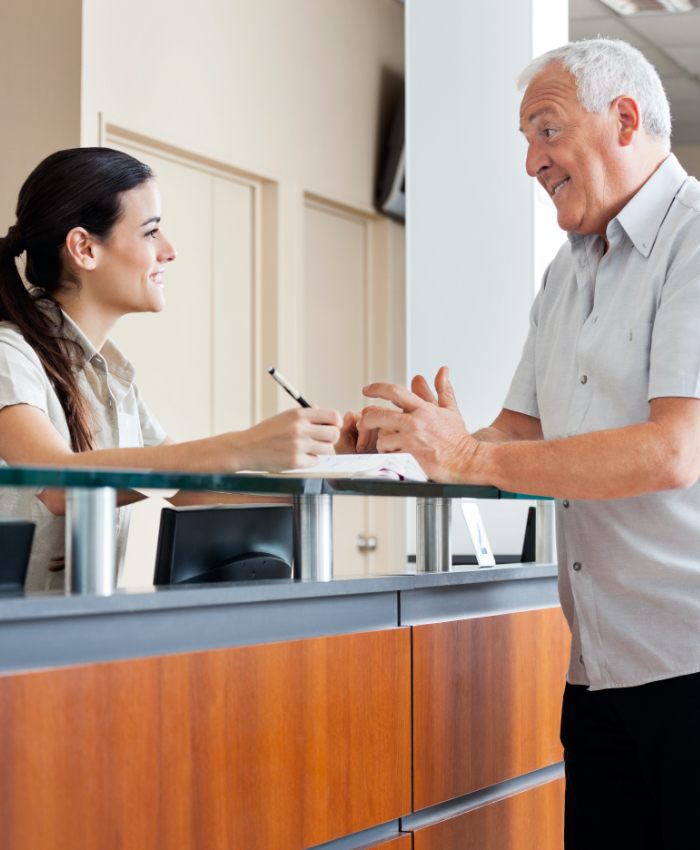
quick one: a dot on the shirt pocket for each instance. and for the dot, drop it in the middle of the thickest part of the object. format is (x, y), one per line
(624, 370)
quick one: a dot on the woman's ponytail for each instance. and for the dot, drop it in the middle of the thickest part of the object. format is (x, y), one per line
(42, 329)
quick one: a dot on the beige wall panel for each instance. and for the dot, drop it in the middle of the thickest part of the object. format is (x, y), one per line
(281, 88)
(171, 350)
(689, 158)
(334, 366)
(40, 57)
(334, 302)
(233, 346)
(386, 518)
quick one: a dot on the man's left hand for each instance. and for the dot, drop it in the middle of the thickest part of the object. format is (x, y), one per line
(430, 428)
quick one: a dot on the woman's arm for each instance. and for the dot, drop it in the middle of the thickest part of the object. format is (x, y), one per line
(291, 439)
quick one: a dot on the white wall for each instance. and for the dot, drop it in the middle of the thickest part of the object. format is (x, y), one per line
(471, 255)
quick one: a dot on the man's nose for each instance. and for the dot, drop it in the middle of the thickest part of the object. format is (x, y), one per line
(536, 159)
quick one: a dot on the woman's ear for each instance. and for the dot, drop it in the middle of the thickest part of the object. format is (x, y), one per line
(80, 249)
(628, 119)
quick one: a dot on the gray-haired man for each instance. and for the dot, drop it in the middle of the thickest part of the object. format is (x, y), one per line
(604, 414)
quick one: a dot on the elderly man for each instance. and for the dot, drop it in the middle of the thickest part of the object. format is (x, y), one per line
(604, 415)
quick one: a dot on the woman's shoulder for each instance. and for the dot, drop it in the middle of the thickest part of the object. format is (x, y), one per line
(12, 342)
(11, 333)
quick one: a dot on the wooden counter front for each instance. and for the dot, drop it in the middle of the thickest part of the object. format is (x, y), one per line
(272, 747)
(531, 820)
(487, 701)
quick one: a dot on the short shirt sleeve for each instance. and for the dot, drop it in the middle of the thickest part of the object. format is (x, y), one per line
(152, 431)
(22, 378)
(674, 360)
(522, 395)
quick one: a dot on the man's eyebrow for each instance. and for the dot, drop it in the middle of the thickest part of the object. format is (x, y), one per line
(154, 220)
(533, 116)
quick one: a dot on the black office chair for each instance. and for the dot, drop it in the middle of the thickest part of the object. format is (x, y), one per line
(224, 543)
(16, 537)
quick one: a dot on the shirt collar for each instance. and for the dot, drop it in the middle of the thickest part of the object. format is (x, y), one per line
(109, 358)
(641, 218)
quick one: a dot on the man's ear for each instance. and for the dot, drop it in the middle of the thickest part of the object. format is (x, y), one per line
(80, 249)
(628, 119)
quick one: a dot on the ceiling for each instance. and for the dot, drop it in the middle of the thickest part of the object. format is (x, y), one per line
(671, 42)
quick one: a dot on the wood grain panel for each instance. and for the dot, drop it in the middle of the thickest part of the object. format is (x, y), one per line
(531, 820)
(487, 700)
(401, 842)
(272, 747)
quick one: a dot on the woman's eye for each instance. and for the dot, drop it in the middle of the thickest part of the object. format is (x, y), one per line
(152, 233)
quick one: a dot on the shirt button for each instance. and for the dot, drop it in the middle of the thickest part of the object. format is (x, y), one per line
(565, 503)
(580, 659)
(584, 379)
(109, 403)
(576, 565)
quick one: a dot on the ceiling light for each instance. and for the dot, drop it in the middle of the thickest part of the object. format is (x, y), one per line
(636, 7)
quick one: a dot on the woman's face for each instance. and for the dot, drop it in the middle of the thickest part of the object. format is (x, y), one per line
(131, 261)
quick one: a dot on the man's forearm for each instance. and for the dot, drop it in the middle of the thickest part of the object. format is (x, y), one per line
(491, 434)
(611, 464)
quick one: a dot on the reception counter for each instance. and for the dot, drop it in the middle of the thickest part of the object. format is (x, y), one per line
(411, 711)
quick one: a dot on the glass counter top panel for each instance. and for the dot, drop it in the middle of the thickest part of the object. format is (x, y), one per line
(36, 476)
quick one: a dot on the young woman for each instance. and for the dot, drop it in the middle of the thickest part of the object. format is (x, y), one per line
(88, 228)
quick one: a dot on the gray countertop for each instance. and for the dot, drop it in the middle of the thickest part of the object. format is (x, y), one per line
(53, 630)
(17, 606)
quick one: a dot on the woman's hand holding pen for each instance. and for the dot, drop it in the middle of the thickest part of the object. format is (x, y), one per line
(291, 439)
(353, 437)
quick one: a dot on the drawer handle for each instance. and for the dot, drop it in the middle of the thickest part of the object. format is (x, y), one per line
(367, 542)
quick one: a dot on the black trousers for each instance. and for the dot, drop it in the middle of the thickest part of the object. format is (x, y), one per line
(632, 760)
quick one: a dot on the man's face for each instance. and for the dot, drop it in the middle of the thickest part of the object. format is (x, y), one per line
(571, 152)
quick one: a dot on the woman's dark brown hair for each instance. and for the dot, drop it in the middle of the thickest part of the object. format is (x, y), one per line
(80, 187)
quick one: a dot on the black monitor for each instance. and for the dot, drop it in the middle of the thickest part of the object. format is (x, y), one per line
(16, 537)
(224, 543)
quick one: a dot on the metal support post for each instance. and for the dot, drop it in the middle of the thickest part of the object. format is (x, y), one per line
(545, 533)
(91, 540)
(313, 538)
(433, 544)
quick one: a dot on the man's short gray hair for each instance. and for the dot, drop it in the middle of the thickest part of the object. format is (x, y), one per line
(605, 69)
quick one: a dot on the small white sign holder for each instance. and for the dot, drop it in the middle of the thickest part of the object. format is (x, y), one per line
(477, 533)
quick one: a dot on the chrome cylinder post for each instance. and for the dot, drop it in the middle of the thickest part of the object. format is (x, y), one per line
(91, 540)
(313, 538)
(433, 544)
(545, 533)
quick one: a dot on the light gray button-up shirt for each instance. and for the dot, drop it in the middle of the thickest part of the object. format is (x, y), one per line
(120, 419)
(609, 332)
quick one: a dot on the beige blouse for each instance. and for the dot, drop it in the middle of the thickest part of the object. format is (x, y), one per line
(120, 419)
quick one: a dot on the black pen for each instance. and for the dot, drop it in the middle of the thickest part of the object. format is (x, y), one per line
(284, 383)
